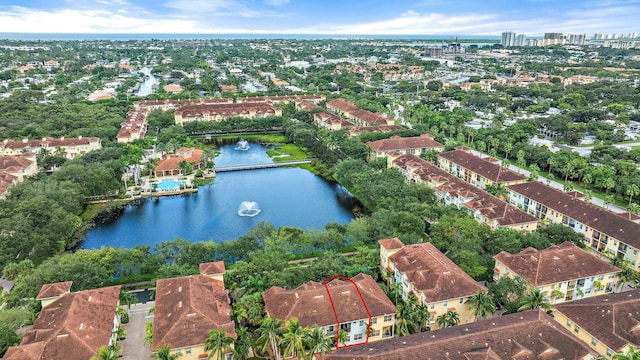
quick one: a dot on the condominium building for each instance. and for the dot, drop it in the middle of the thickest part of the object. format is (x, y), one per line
(573, 272)
(508, 39)
(425, 273)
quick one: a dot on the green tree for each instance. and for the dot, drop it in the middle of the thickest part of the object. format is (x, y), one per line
(317, 342)
(630, 354)
(242, 344)
(107, 353)
(166, 354)
(293, 339)
(535, 299)
(632, 190)
(481, 304)
(148, 331)
(218, 344)
(448, 319)
(269, 335)
(557, 294)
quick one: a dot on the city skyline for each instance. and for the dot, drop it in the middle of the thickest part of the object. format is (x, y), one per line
(375, 17)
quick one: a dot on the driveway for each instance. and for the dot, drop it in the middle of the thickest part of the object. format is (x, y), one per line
(132, 347)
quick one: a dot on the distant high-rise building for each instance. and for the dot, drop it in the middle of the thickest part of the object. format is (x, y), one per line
(597, 36)
(633, 35)
(576, 39)
(508, 39)
(521, 40)
(554, 36)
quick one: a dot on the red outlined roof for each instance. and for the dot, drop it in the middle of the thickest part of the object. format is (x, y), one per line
(335, 313)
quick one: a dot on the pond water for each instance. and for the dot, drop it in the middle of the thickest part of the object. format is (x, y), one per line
(285, 196)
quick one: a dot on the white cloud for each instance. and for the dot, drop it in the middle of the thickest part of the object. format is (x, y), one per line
(276, 2)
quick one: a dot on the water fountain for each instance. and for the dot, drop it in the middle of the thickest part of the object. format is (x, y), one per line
(242, 145)
(249, 208)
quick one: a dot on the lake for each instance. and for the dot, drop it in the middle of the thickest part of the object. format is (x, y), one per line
(286, 196)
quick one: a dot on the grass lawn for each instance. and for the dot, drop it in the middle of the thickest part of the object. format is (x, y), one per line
(286, 152)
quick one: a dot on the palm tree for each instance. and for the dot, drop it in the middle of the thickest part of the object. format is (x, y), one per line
(632, 190)
(121, 333)
(587, 179)
(343, 336)
(598, 285)
(218, 344)
(448, 319)
(557, 294)
(127, 298)
(148, 329)
(107, 353)
(482, 305)
(627, 275)
(630, 354)
(608, 184)
(293, 339)
(166, 354)
(634, 208)
(242, 344)
(535, 299)
(317, 342)
(270, 334)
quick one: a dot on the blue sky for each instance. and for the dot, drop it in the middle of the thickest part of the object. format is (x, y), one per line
(416, 17)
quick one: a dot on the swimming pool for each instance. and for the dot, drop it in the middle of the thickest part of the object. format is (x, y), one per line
(170, 184)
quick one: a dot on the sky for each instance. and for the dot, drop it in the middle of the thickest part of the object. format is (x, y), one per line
(375, 17)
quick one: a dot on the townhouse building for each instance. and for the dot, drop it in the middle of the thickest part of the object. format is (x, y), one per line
(358, 307)
(219, 112)
(477, 171)
(609, 324)
(331, 121)
(410, 145)
(68, 147)
(606, 232)
(524, 335)
(484, 207)
(188, 308)
(425, 273)
(71, 325)
(566, 269)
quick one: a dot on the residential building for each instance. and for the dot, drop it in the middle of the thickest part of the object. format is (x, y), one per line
(603, 231)
(355, 131)
(169, 165)
(357, 306)
(6, 182)
(68, 147)
(508, 39)
(341, 106)
(219, 112)
(71, 325)
(565, 267)
(188, 308)
(525, 335)
(521, 40)
(608, 323)
(134, 127)
(425, 273)
(484, 207)
(19, 166)
(359, 117)
(411, 145)
(478, 171)
(331, 121)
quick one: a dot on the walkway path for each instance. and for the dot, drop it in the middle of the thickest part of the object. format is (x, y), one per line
(220, 169)
(132, 347)
(594, 200)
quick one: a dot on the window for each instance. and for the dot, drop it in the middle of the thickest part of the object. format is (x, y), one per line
(594, 341)
(576, 329)
(609, 352)
(461, 300)
(188, 350)
(374, 321)
(330, 329)
(388, 318)
(445, 303)
(362, 323)
(432, 306)
(568, 323)
(357, 337)
(375, 333)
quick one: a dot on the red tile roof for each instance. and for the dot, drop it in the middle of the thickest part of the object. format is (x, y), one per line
(375, 129)
(424, 141)
(368, 118)
(73, 327)
(53, 290)
(187, 308)
(433, 274)
(525, 335)
(14, 163)
(224, 110)
(341, 105)
(390, 244)
(613, 319)
(555, 264)
(586, 213)
(310, 303)
(482, 166)
(331, 118)
(171, 162)
(212, 268)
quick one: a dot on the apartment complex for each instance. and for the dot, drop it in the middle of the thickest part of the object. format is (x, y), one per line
(608, 323)
(477, 171)
(67, 147)
(603, 231)
(411, 145)
(358, 307)
(565, 267)
(188, 308)
(71, 325)
(425, 273)
(359, 117)
(134, 127)
(331, 121)
(219, 112)
(484, 207)
(525, 335)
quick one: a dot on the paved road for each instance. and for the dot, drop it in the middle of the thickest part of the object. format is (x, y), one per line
(557, 185)
(132, 347)
(586, 150)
